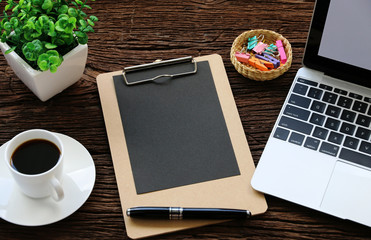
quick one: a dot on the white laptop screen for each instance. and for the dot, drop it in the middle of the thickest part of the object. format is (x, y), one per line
(347, 33)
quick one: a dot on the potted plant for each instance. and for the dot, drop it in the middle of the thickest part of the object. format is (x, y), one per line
(45, 42)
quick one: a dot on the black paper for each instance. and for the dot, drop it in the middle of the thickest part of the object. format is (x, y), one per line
(175, 131)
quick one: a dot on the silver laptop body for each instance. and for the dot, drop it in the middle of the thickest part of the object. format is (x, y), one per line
(319, 152)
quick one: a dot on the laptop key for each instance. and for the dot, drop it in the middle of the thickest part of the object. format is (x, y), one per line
(341, 91)
(281, 133)
(363, 120)
(365, 147)
(345, 102)
(329, 149)
(360, 106)
(333, 111)
(299, 101)
(318, 106)
(326, 87)
(355, 157)
(300, 89)
(296, 138)
(335, 137)
(347, 128)
(317, 119)
(295, 112)
(363, 133)
(315, 93)
(330, 97)
(309, 82)
(312, 143)
(351, 142)
(348, 116)
(355, 95)
(332, 124)
(320, 133)
(295, 125)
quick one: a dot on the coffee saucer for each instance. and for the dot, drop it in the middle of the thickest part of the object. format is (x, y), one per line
(78, 183)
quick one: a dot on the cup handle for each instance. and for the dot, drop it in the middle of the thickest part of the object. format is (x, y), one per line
(58, 193)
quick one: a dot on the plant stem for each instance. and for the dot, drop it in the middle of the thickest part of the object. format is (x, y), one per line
(82, 6)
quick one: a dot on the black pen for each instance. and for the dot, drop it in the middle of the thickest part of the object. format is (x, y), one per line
(187, 213)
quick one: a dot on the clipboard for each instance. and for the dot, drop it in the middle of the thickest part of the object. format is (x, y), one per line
(233, 191)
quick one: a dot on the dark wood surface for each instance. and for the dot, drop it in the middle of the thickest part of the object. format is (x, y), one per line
(135, 32)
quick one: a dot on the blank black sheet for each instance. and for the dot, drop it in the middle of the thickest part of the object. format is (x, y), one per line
(175, 130)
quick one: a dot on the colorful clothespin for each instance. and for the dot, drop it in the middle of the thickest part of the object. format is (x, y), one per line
(265, 61)
(260, 47)
(242, 57)
(251, 42)
(257, 64)
(268, 64)
(267, 57)
(271, 50)
(281, 50)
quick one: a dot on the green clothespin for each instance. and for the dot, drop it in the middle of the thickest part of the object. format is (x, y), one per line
(271, 50)
(251, 42)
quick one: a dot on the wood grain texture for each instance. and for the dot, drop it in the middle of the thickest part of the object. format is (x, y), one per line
(135, 32)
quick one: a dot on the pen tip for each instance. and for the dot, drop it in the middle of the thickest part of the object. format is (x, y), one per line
(248, 213)
(128, 212)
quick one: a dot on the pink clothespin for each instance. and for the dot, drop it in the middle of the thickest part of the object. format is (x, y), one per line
(242, 57)
(260, 47)
(281, 50)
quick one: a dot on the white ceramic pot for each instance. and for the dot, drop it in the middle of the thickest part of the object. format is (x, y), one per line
(46, 84)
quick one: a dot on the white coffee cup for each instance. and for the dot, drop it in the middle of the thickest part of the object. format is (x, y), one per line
(43, 184)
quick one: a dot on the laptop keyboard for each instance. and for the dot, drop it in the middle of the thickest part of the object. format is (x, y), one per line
(330, 120)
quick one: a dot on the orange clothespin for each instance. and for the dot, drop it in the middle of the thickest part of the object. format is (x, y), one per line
(267, 64)
(257, 64)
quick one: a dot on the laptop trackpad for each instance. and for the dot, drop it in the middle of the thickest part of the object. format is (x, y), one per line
(348, 194)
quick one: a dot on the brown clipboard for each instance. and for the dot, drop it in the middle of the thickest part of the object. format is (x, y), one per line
(231, 192)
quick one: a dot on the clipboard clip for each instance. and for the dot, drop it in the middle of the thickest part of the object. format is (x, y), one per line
(160, 63)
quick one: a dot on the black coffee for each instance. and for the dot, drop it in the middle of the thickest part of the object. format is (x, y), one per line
(35, 156)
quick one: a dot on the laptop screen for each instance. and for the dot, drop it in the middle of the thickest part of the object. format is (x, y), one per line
(346, 39)
(339, 40)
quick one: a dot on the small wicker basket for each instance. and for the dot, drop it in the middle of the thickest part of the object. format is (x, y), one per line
(252, 73)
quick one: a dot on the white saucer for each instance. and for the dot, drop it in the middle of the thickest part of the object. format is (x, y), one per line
(78, 183)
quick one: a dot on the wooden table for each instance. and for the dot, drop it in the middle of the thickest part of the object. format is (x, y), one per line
(135, 32)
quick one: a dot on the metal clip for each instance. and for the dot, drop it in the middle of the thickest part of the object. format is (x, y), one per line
(159, 64)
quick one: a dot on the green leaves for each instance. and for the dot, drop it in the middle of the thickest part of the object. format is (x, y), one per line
(85, 27)
(49, 60)
(73, 12)
(65, 24)
(62, 9)
(32, 50)
(7, 26)
(10, 50)
(46, 59)
(50, 46)
(14, 22)
(33, 28)
(93, 18)
(47, 5)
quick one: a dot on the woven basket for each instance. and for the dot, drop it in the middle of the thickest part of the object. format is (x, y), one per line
(252, 73)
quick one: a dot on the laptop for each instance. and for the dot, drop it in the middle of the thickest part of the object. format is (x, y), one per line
(319, 152)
